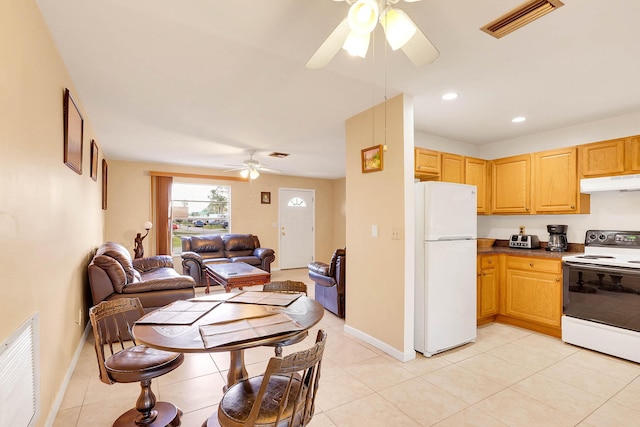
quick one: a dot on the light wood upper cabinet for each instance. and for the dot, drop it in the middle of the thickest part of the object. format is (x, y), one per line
(452, 168)
(511, 185)
(555, 183)
(632, 154)
(533, 291)
(426, 163)
(476, 173)
(602, 158)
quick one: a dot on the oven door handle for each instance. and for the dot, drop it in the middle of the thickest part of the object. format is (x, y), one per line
(603, 268)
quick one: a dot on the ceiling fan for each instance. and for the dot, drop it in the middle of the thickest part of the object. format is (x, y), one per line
(354, 33)
(251, 168)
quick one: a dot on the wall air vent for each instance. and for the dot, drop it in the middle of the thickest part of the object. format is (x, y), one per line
(520, 16)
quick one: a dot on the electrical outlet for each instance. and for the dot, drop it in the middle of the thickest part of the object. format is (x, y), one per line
(396, 233)
(522, 229)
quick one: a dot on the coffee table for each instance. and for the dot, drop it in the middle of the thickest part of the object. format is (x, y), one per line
(235, 275)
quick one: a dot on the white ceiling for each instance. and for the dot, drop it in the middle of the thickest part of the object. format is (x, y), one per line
(199, 82)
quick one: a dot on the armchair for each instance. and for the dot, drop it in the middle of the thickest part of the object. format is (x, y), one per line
(330, 282)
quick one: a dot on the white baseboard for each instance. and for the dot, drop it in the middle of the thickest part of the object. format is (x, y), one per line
(65, 382)
(380, 345)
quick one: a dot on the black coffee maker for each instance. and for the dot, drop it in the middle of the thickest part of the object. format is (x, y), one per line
(557, 238)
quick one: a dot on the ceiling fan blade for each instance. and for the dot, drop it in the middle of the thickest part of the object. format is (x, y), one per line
(269, 170)
(419, 49)
(330, 47)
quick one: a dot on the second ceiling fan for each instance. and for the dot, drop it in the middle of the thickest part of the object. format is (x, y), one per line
(354, 33)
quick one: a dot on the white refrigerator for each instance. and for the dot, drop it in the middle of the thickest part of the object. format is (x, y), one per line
(445, 266)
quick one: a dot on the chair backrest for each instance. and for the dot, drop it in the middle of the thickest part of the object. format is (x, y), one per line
(300, 366)
(112, 322)
(286, 286)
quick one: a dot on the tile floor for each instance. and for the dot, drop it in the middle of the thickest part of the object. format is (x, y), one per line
(508, 377)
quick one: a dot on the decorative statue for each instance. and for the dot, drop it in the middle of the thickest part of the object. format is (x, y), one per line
(139, 249)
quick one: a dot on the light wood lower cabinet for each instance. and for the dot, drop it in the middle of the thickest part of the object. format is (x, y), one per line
(487, 288)
(531, 294)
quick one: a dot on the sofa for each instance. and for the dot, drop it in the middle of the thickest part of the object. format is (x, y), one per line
(114, 274)
(330, 281)
(220, 248)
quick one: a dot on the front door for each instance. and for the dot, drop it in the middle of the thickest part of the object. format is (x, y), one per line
(296, 211)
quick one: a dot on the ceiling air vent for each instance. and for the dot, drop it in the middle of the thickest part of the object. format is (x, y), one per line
(278, 155)
(520, 16)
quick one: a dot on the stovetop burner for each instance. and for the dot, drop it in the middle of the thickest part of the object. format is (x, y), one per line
(594, 256)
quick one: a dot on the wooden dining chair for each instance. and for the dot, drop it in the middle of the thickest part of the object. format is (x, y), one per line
(126, 362)
(284, 396)
(289, 287)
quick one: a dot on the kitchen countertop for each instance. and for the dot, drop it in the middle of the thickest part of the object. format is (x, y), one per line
(502, 247)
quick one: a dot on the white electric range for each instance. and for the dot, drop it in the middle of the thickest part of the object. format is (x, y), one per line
(601, 294)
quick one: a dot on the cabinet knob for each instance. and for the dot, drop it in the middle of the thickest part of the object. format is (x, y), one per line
(490, 261)
(531, 264)
(573, 207)
(557, 279)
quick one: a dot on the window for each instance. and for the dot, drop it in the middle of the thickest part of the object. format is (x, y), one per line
(297, 202)
(198, 209)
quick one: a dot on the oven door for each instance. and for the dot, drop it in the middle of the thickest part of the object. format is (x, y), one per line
(602, 294)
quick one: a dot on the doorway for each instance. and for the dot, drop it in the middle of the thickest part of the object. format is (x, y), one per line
(296, 212)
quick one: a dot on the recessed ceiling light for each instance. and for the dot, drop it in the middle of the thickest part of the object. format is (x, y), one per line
(518, 119)
(449, 96)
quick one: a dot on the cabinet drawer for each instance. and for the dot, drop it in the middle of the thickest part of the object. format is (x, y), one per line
(488, 261)
(534, 264)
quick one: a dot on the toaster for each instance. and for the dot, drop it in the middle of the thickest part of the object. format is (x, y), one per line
(524, 241)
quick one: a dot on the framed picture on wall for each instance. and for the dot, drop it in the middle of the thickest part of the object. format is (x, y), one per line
(73, 128)
(372, 160)
(94, 160)
(104, 184)
(265, 198)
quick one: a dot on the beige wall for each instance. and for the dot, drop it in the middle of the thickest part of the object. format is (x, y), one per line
(130, 194)
(376, 292)
(50, 217)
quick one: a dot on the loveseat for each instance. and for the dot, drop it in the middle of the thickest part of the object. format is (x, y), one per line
(220, 248)
(330, 280)
(113, 274)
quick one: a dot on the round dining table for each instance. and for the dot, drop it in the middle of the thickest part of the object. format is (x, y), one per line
(187, 338)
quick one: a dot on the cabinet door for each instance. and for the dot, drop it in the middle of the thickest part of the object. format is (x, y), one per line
(476, 173)
(555, 181)
(426, 162)
(632, 154)
(602, 158)
(511, 185)
(487, 286)
(452, 168)
(531, 293)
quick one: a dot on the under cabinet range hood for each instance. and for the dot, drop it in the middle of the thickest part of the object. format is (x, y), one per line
(610, 183)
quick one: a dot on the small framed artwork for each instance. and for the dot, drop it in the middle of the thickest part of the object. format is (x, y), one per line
(94, 160)
(265, 198)
(372, 160)
(104, 184)
(73, 128)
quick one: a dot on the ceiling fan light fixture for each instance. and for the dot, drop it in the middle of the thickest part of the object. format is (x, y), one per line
(244, 173)
(253, 174)
(363, 16)
(357, 44)
(398, 28)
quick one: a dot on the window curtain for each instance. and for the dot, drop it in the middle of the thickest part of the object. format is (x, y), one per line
(161, 205)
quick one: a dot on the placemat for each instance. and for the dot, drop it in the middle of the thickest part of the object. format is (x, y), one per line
(218, 334)
(179, 313)
(264, 298)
